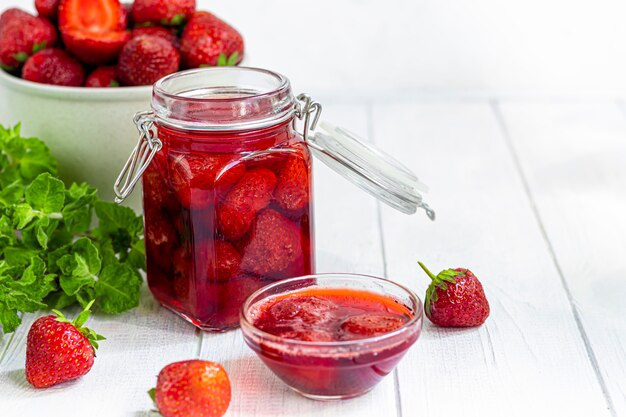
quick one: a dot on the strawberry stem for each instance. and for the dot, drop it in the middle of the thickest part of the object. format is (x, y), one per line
(430, 274)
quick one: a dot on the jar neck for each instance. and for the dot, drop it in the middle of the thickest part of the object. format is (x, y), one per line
(227, 141)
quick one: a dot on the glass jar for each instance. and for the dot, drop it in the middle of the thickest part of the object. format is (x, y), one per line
(227, 187)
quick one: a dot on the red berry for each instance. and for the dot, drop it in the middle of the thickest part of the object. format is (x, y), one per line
(162, 12)
(292, 188)
(298, 311)
(206, 38)
(161, 238)
(58, 350)
(192, 388)
(54, 66)
(274, 245)
(196, 178)
(93, 30)
(370, 324)
(455, 298)
(47, 8)
(159, 31)
(95, 48)
(252, 193)
(22, 35)
(102, 77)
(146, 59)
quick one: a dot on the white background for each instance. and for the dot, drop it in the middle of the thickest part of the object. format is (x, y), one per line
(380, 48)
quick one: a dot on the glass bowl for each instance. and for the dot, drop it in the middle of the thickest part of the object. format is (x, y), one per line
(337, 369)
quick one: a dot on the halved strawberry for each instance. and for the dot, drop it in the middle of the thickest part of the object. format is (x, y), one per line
(93, 47)
(252, 193)
(93, 30)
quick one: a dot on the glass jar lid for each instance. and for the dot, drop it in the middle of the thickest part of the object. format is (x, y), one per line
(369, 168)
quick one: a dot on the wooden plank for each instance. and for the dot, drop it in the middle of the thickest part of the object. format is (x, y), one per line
(529, 358)
(139, 344)
(348, 240)
(572, 157)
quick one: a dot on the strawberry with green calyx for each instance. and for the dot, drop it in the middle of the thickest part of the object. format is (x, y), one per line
(455, 298)
(59, 350)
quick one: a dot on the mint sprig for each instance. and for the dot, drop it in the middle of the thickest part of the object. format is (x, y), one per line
(50, 254)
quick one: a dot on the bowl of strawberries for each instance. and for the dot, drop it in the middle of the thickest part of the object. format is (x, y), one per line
(77, 72)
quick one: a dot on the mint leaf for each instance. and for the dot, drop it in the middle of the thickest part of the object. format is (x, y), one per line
(9, 318)
(78, 212)
(80, 267)
(46, 193)
(118, 288)
(7, 233)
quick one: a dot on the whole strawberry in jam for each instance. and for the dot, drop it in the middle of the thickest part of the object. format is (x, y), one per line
(58, 350)
(252, 193)
(209, 41)
(22, 35)
(192, 388)
(455, 298)
(54, 66)
(292, 188)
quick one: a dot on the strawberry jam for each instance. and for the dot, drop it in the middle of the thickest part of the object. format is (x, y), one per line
(331, 339)
(227, 198)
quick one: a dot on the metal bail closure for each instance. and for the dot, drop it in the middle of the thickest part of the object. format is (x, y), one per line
(364, 165)
(141, 156)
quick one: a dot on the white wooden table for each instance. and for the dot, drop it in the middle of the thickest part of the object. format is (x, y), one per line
(530, 194)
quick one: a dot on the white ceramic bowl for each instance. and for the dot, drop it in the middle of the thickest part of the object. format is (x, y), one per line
(89, 130)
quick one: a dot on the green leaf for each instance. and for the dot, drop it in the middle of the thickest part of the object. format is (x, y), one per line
(23, 214)
(9, 318)
(59, 300)
(78, 212)
(7, 233)
(232, 59)
(114, 84)
(152, 394)
(46, 193)
(11, 194)
(114, 217)
(118, 288)
(137, 255)
(222, 61)
(80, 267)
(21, 57)
(39, 46)
(177, 20)
(17, 256)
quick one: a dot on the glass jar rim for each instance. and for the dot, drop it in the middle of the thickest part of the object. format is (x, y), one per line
(223, 99)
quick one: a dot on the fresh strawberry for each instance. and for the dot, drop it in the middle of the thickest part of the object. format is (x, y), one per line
(22, 35)
(162, 12)
(252, 193)
(103, 77)
(159, 31)
(455, 298)
(47, 8)
(54, 66)
(95, 48)
(12, 14)
(274, 245)
(58, 350)
(192, 388)
(196, 178)
(368, 325)
(209, 41)
(93, 30)
(146, 59)
(292, 188)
